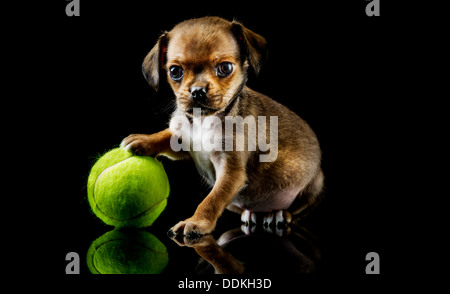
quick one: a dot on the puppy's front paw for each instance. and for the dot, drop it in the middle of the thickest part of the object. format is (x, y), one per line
(140, 144)
(192, 228)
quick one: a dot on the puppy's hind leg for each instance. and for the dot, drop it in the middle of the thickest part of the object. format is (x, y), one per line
(303, 204)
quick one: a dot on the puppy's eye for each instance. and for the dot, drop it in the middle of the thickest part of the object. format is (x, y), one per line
(176, 73)
(224, 69)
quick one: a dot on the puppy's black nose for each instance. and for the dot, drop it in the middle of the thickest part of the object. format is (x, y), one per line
(171, 234)
(198, 94)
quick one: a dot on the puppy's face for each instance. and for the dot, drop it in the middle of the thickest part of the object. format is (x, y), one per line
(205, 61)
(204, 68)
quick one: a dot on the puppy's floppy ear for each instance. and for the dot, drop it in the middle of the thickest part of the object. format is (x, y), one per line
(253, 47)
(154, 62)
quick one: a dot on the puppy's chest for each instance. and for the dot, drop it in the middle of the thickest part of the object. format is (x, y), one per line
(203, 139)
(208, 164)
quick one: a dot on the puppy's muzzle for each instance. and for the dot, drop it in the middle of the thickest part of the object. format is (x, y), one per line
(198, 94)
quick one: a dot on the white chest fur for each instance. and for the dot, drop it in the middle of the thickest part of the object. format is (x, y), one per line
(202, 138)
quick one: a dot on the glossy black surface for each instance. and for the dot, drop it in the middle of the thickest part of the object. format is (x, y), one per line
(329, 62)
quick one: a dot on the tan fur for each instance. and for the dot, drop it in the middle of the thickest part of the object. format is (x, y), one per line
(243, 182)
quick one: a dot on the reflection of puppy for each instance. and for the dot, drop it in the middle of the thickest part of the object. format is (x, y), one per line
(237, 252)
(206, 61)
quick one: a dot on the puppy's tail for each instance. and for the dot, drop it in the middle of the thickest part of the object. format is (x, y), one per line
(315, 187)
(310, 197)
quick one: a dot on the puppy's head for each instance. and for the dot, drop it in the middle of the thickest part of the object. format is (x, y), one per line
(206, 61)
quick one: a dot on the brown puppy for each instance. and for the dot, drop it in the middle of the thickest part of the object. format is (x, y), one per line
(206, 61)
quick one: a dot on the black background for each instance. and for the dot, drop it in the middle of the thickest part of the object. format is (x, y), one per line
(340, 70)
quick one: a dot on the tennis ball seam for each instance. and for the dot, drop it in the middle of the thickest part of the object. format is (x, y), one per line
(95, 184)
(128, 219)
(131, 218)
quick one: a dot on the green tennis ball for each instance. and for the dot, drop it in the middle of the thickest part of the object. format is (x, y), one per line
(127, 251)
(126, 190)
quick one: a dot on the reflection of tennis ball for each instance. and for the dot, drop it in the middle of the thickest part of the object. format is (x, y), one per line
(127, 251)
(126, 190)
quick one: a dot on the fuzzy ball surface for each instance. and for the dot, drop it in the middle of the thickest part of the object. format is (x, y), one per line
(126, 190)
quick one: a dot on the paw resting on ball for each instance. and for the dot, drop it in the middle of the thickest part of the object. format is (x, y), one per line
(140, 144)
